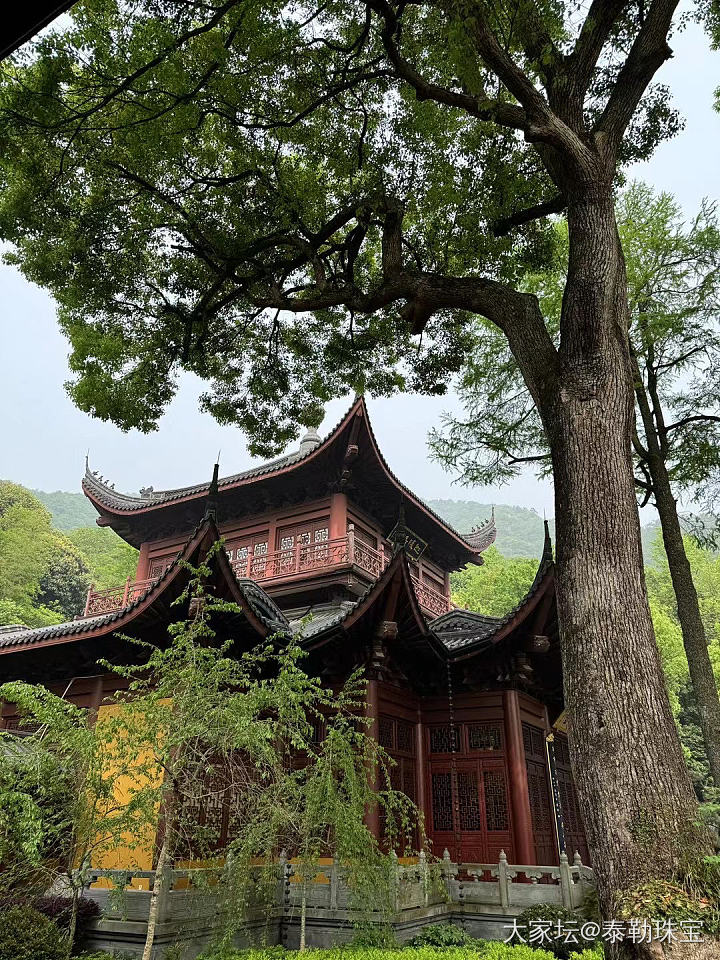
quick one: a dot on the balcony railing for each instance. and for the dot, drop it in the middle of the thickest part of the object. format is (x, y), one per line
(114, 598)
(298, 560)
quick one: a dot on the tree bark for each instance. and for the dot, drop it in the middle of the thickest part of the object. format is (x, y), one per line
(158, 889)
(635, 793)
(688, 606)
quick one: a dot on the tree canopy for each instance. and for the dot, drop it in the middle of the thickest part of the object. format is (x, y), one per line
(209, 171)
(43, 576)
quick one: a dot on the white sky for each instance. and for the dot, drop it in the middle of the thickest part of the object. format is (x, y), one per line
(44, 438)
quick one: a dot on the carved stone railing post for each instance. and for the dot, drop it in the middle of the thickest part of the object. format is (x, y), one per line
(503, 880)
(566, 881)
(422, 861)
(394, 882)
(351, 543)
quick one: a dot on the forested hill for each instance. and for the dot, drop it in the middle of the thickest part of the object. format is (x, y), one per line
(519, 529)
(69, 510)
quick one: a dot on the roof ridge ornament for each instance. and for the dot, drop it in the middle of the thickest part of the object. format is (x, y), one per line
(212, 499)
(310, 441)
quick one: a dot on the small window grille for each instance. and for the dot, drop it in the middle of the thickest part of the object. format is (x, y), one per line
(442, 801)
(496, 814)
(405, 738)
(385, 733)
(484, 736)
(444, 739)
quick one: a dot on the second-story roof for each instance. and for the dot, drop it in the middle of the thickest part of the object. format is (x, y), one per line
(347, 460)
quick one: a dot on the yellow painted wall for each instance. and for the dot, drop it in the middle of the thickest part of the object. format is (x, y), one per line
(137, 852)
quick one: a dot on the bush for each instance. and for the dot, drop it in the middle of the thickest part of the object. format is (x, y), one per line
(443, 935)
(59, 910)
(479, 950)
(553, 914)
(25, 934)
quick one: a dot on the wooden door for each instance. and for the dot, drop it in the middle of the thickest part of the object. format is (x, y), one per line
(470, 817)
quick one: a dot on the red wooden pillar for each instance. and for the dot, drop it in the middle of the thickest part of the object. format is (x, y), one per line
(143, 567)
(372, 712)
(420, 771)
(338, 516)
(517, 774)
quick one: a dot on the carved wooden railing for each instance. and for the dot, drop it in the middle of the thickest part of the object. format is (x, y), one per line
(114, 598)
(300, 559)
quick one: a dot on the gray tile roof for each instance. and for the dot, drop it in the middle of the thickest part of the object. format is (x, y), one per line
(459, 629)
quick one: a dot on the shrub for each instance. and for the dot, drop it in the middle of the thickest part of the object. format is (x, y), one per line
(25, 934)
(555, 915)
(59, 910)
(494, 950)
(443, 935)
(479, 950)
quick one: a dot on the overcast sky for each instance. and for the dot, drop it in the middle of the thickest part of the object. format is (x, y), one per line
(44, 438)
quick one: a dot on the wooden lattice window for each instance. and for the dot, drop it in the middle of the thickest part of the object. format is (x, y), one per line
(533, 741)
(385, 733)
(484, 736)
(408, 778)
(468, 800)
(405, 737)
(496, 812)
(249, 555)
(444, 739)
(539, 799)
(562, 752)
(442, 801)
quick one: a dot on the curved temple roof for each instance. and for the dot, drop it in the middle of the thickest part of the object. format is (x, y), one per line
(458, 633)
(464, 631)
(119, 509)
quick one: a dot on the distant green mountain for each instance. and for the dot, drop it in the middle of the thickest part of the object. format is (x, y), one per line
(69, 510)
(519, 529)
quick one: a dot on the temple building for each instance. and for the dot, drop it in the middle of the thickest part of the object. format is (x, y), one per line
(327, 544)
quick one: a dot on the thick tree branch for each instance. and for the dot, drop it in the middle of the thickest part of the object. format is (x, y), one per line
(544, 126)
(594, 34)
(647, 54)
(555, 205)
(484, 108)
(698, 418)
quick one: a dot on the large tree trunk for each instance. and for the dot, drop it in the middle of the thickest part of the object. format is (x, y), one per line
(688, 607)
(635, 793)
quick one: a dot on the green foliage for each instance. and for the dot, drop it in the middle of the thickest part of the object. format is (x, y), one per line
(239, 107)
(553, 913)
(705, 567)
(443, 935)
(43, 576)
(662, 900)
(110, 560)
(68, 510)
(495, 587)
(26, 934)
(477, 949)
